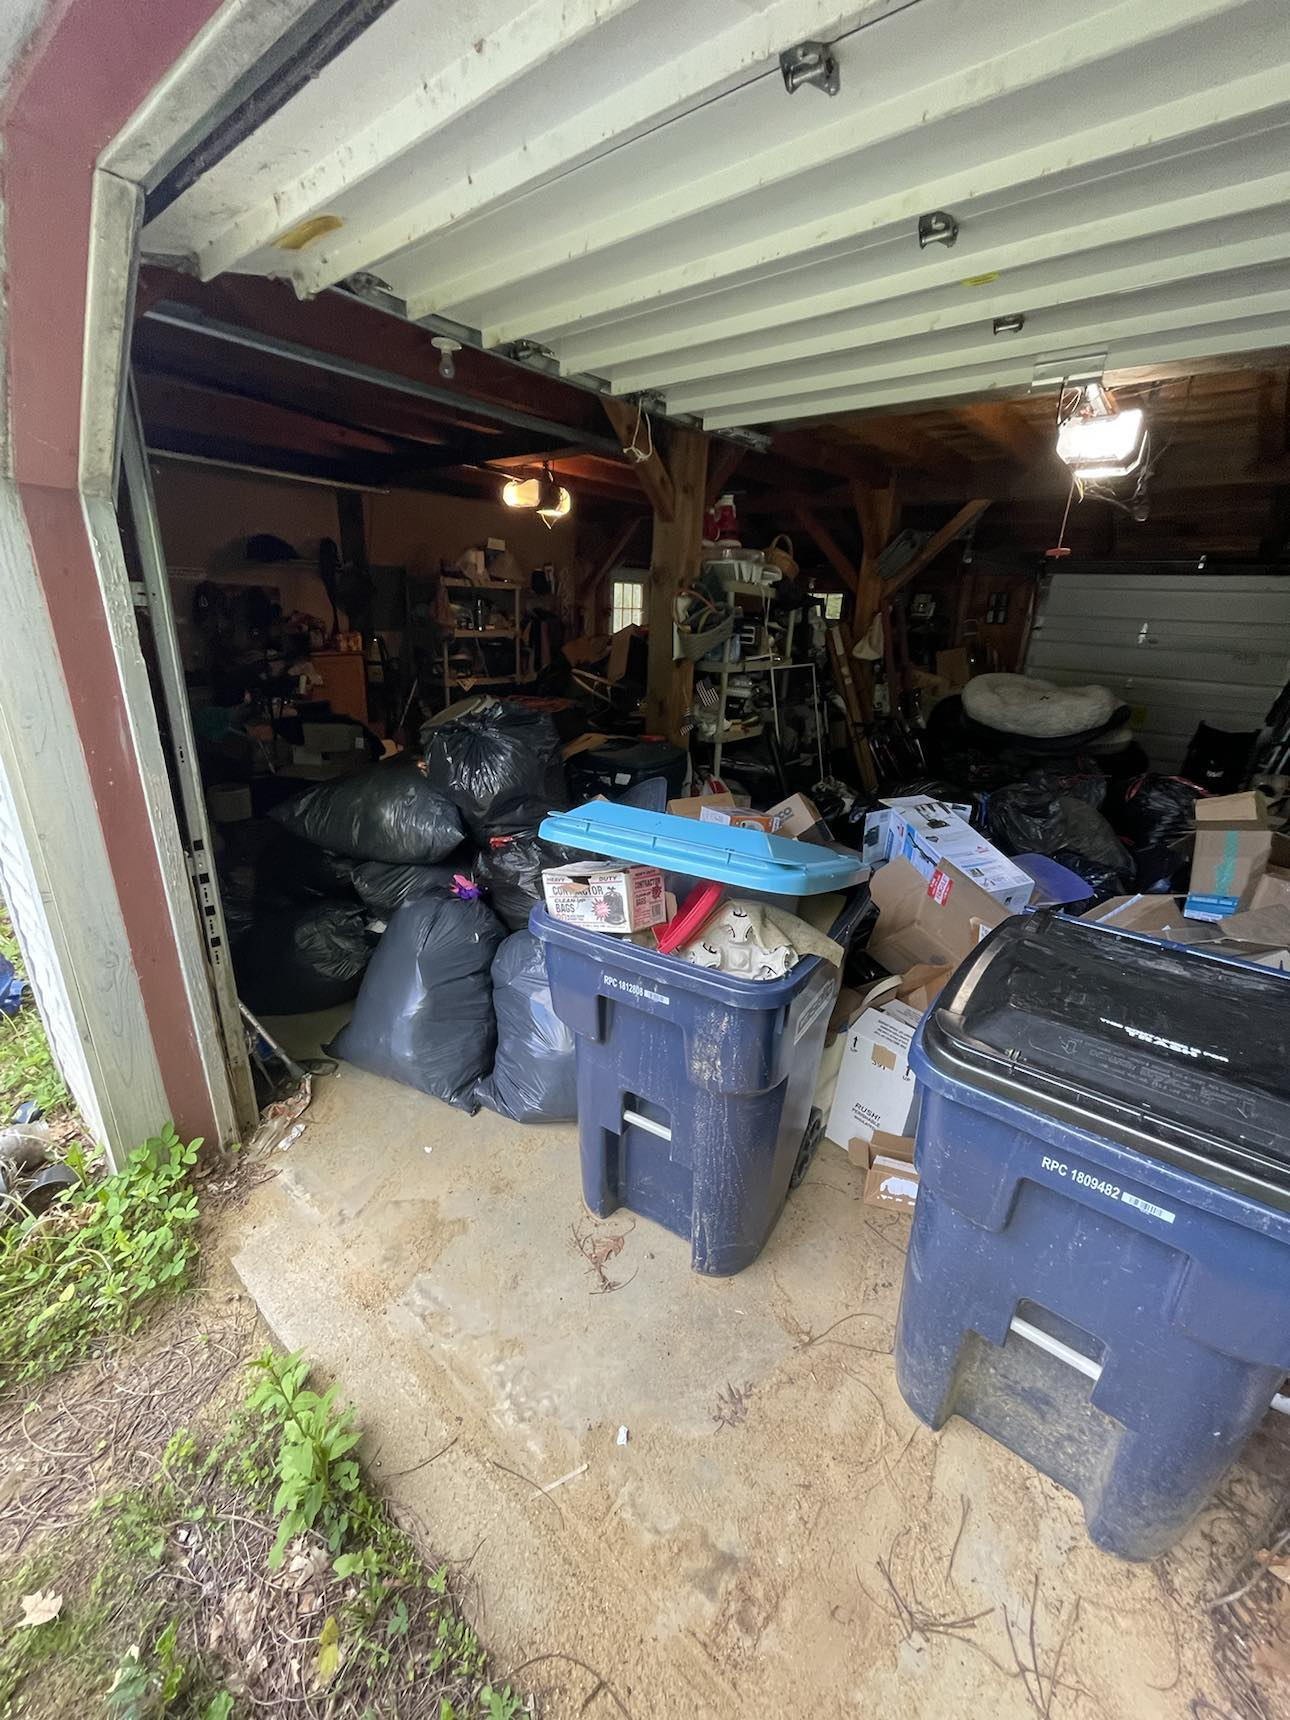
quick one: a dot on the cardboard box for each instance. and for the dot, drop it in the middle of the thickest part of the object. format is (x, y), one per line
(691, 805)
(875, 1087)
(605, 897)
(881, 1144)
(332, 737)
(740, 817)
(891, 1182)
(800, 818)
(879, 826)
(1232, 852)
(954, 667)
(938, 921)
(929, 834)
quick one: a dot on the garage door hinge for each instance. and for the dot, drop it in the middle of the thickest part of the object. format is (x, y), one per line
(810, 63)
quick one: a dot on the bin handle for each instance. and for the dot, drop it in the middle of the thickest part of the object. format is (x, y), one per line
(1087, 1366)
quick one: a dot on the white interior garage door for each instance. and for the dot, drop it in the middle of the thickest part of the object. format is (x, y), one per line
(1180, 648)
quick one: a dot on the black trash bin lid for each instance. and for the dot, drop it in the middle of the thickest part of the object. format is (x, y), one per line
(1178, 1054)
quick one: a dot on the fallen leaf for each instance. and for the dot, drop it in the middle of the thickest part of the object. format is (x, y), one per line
(602, 1248)
(1280, 1567)
(328, 1653)
(42, 1607)
(241, 1613)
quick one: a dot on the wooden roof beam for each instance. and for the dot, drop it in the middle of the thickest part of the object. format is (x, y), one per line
(918, 563)
(1008, 431)
(633, 428)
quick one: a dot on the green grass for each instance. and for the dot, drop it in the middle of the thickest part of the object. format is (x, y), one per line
(27, 1068)
(177, 1603)
(90, 1267)
(116, 1647)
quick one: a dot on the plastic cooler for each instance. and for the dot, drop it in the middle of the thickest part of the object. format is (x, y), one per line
(1099, 1270)
(694, 1087)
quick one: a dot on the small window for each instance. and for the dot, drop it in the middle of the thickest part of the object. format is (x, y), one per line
(833, 606)
(628, 604)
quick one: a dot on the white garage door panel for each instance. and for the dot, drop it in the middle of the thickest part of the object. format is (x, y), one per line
(1189, 638)
(1181, 648)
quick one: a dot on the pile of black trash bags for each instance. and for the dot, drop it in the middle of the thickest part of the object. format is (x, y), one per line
(1121, 835)
(397, 887)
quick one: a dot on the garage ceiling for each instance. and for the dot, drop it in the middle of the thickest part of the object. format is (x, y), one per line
(630, 184)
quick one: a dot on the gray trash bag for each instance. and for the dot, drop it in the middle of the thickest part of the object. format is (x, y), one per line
(389, 813)
(383, 887)
(534, 1079)
(424, 1015)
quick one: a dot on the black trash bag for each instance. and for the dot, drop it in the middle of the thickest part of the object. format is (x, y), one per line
(1039, 816)
(389, 813)
(425, 1014)
(1217, 759)
(534, 1079)
(1103, 881)
(500, 766)
(294, 870)
(509, 871)
(383, 887)
(292, 960)
(1156, 816)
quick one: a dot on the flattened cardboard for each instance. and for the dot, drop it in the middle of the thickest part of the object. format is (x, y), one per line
(875, 1087)
(938, 921)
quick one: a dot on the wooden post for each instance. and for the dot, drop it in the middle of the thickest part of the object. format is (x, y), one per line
(674, 564)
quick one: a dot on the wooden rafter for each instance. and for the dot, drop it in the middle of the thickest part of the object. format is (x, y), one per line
(825, 542)
(724, 459)
(923, 559)
(899, 440)
(612, 556)
(652, 475)
(1007, 431)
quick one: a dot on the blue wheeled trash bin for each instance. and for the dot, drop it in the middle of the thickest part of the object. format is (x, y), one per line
(695, 1087)
(1098, 1273)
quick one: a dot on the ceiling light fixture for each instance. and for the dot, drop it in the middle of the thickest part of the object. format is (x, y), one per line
(541, 495)
(1096, 439)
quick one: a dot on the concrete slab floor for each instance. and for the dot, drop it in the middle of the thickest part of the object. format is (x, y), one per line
(778, 1535)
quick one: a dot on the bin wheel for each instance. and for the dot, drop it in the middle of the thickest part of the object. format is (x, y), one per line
(810, 1141)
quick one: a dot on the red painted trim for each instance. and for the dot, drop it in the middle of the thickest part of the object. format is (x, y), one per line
(86, 73)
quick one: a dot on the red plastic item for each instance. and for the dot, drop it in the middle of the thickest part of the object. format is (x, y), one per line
(692, 916)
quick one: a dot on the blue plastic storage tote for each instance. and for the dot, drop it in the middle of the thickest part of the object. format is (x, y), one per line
(694, 1087)
(744, 859)
(1099, 1269)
